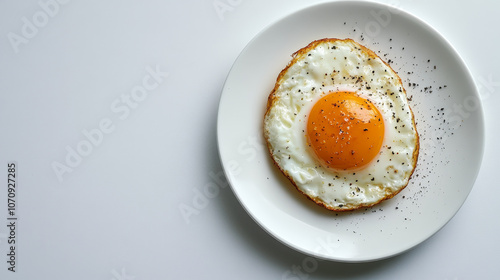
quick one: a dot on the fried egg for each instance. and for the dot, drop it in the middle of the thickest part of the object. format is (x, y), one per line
(339, 126)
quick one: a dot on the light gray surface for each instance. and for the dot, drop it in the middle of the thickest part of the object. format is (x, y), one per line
(116, 215)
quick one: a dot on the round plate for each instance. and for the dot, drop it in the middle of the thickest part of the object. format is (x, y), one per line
(449, 120)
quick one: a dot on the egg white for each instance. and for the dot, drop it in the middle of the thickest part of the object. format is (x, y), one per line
(330, 66)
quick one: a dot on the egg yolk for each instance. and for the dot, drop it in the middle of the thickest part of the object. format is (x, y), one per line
(345, 130)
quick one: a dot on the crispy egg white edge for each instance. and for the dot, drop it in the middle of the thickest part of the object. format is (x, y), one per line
(286, 120)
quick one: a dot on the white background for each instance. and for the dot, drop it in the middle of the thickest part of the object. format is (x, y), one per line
(116, 214)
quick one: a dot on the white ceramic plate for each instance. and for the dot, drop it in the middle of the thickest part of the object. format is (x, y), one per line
(447, 110)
